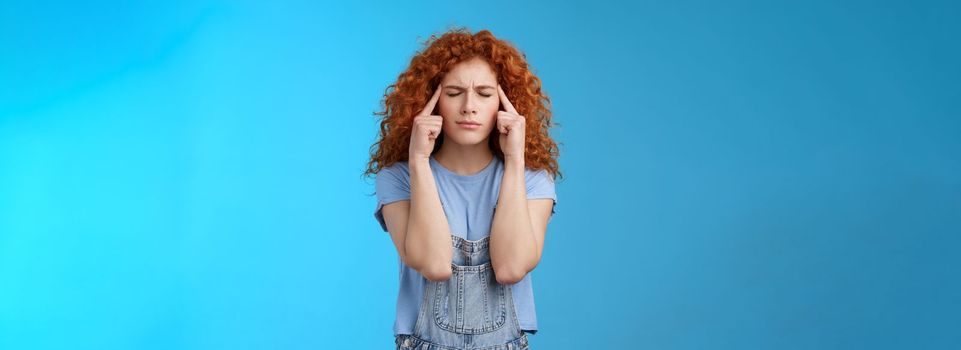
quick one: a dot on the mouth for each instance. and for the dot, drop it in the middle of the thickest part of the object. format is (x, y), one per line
(469, 125)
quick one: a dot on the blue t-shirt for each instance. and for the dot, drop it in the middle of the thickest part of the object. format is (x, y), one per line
(468, 202)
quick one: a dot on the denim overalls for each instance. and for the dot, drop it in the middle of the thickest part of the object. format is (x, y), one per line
(468, 311)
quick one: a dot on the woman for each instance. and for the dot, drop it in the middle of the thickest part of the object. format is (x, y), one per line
(465, 174)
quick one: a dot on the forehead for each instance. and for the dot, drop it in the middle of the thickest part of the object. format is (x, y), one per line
(475, 70)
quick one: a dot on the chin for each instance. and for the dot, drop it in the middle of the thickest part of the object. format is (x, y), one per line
(465, 141)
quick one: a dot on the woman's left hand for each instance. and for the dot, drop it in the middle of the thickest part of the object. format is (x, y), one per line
(512, 127)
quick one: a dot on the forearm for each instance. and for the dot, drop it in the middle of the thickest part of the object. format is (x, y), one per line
(513, 246)
(428, 242)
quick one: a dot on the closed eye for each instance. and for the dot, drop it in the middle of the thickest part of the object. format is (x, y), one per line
(455, 94)
(482, 90)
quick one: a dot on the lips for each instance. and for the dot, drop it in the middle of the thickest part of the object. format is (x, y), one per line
(469, 125)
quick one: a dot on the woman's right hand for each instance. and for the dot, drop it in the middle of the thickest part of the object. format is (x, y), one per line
(426, 129)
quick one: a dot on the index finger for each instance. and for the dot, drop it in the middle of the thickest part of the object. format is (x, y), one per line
(504, 101)
(433, 101)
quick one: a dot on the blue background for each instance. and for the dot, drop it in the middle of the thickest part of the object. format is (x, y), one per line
(745, 175)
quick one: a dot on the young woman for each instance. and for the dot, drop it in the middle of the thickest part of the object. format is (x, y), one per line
(465, 173)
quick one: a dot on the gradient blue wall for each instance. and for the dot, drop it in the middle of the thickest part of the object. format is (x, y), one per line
(746, 175)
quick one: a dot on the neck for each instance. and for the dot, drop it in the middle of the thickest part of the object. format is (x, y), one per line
(464, 159)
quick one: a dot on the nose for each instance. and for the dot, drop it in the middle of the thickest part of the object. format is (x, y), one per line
(468, 107)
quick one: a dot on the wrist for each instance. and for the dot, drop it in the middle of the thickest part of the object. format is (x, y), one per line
(510, 159)
(417, 160)
(412, 156)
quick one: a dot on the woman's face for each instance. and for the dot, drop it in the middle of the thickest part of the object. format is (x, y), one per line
(469, 95)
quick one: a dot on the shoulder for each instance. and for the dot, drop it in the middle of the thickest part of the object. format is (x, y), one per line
(538, 174)
(398, 169)
(394, 178)
(540, 183)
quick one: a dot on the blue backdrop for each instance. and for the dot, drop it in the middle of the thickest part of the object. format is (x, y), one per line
(745, 175)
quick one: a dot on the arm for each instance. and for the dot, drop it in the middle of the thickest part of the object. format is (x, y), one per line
(425, 243)
(396, 216)
(518, 228)
(428, 242)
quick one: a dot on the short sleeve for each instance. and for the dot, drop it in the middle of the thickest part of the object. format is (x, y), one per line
(392, 184)
(540, 184)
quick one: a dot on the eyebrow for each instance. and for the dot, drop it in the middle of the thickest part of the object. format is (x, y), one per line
(479, 87)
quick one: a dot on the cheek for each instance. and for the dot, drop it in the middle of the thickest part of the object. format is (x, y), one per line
(490, 110)
(485, 105)
(446, 107)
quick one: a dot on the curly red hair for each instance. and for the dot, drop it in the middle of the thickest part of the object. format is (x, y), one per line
(414, 87)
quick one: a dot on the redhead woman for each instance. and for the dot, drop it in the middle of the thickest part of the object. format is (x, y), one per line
(465, 172)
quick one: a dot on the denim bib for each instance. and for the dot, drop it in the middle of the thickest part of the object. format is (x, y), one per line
(468, 311)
